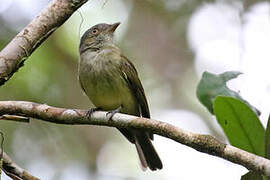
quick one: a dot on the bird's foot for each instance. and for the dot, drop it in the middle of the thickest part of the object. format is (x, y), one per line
(113, 112)
(91, 111)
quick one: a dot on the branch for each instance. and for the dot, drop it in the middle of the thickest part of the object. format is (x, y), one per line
(202, 143)
(14, 171)
(23, 45)
(15, 118)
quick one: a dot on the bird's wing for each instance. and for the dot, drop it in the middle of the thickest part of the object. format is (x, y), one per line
(131, 76)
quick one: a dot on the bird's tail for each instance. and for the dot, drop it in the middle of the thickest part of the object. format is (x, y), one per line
(147, 153)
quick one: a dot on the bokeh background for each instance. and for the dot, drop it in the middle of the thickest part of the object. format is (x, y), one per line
(171, 42)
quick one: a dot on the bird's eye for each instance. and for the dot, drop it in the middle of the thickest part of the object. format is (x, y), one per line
(94, 31)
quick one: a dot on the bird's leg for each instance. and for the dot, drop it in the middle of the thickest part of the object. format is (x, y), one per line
(91, 111)
(113, 112)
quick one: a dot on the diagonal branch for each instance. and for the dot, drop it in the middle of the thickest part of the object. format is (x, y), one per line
(14, 171)
(202, 143)
(23, 45)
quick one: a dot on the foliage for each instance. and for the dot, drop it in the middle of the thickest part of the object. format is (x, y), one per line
(238, 119)
(212, 85)
(240, 124)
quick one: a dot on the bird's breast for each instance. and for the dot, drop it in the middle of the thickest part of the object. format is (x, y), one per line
(104, 84)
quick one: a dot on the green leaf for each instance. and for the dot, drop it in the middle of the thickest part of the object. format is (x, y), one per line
(267, 141)
(240, 124)
(251, 175)
(212, 85)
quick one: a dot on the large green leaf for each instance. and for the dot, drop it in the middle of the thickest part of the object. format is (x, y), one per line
(213, 85)
(240, 124)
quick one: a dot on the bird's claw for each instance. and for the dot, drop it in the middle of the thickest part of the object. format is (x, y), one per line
(113, 112)
(91, 111)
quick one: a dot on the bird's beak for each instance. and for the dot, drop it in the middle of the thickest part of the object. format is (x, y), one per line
(113, 27)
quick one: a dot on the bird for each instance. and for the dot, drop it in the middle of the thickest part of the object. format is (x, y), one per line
(111, 82)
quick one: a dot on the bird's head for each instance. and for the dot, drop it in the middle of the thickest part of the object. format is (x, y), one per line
(97, 37)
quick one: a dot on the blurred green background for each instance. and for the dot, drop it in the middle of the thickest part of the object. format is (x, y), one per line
(160, 38)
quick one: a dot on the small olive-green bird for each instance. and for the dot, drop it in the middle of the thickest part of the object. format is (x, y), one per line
(111, 82)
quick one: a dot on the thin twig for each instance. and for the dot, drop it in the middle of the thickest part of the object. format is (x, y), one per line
(15, 118)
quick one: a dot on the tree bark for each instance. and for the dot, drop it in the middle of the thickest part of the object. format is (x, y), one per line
(14, 171)
(23, 45)
(203, 143)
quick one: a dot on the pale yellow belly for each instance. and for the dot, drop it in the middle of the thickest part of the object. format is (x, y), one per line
(109, 93)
